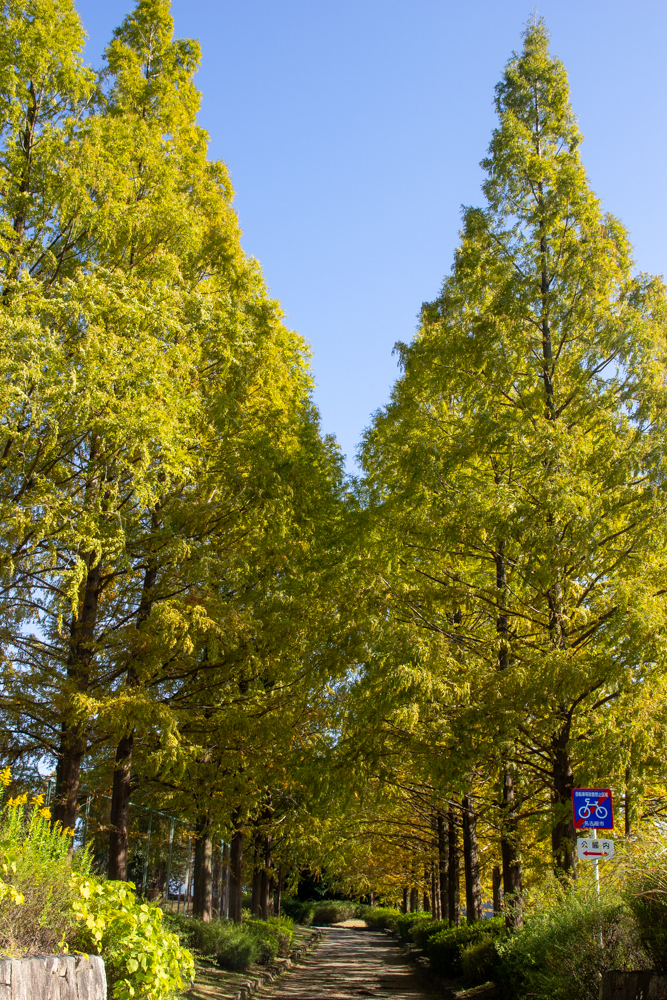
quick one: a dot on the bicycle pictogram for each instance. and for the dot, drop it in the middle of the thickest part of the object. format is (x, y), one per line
(593, 808)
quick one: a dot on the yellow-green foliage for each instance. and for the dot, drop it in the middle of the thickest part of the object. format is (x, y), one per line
(37, 891)
(51, 902)
(142, 957)
(645, 889)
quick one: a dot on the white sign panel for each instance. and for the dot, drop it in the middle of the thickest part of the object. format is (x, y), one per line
(590, 849)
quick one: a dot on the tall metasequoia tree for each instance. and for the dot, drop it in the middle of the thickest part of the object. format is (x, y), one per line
(471, 860)
(90, 397)
(202, 904)
(443, 866)
(453, 868)
(517, 470)
(168, 422)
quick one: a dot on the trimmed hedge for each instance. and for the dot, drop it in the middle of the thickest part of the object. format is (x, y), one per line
(333, 912)
(379, 918)
(445, 948)
(301, 913)
(237, 946)
(422, 930)
(405, 922)
(323, 913)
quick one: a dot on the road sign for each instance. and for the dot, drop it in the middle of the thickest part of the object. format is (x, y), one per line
(593, 849)
(592, 808)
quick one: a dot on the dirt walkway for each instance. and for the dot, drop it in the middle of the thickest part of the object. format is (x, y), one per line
(349, 964)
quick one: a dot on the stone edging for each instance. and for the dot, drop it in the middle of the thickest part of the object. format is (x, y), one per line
(59, 977)
(252, 985)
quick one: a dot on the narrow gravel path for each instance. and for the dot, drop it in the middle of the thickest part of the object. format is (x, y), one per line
(349, 964)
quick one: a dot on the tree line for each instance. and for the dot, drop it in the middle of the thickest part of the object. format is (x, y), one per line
(395, 680)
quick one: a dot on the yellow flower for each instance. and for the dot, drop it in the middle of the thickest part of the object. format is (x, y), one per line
(20, 800)
(37, 800)
(45, 813)
(6, 776)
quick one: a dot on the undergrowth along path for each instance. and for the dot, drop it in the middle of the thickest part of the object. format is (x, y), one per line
(350, 964)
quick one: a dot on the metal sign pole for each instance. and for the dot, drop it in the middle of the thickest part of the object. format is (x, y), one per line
(596, 876)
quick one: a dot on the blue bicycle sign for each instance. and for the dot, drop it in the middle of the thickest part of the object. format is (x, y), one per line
(593, 808)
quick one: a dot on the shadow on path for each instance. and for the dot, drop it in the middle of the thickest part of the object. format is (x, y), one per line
(350, 964)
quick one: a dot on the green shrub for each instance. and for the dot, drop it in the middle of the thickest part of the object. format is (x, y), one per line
(333, 912)
(266, 940)
(274, 936)
(379, 918)
(405, 921)
(301, 913)
(50, 902)
(237, 949)
(283, 928)
(567, 941)
(36, 890)
(141, 957)
(236, 946)
(480, 960)
(233, 946)
(445, 948)
(325, 912)
(201, 937)
(646, 893)
(422, 930)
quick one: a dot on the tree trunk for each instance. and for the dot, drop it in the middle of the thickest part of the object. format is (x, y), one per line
(255, 891)
(434, 894)
(224, 891)
(266, 880)
(202, 902)
(71, 751)
(405, 904)
(120, 810)
(414, 899)
(563, 835)
(426, 899)
(120, 794)
(511, 858)
(496, 882)
(216, 890)
(156, 891)
(279, 891)
(236, 879)
(471, 862)
(73, 742)
(443, 868)
(453, 902)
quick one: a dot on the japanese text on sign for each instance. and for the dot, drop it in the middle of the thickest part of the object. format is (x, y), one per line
(591, 849)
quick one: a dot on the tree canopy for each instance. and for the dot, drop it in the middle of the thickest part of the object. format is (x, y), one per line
(397, 681)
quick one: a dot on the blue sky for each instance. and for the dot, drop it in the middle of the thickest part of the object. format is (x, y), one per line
(353, 130)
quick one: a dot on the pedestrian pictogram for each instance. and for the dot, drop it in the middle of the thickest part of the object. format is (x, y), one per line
(594, 849)
(592, 809)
